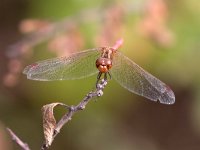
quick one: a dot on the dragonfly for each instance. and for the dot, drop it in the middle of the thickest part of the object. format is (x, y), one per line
(103, 60)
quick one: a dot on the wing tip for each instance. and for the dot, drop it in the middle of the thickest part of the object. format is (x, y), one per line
(168, 97)
(28, 68)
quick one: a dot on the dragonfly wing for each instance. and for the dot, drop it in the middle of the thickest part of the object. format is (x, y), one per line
(137, 80)
(76, 66)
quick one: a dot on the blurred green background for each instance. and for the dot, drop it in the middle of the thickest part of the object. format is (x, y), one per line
(162, 36)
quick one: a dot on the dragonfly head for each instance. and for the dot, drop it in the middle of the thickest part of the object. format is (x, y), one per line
(103, 64)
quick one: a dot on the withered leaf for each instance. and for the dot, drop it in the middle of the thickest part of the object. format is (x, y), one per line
(49, 122)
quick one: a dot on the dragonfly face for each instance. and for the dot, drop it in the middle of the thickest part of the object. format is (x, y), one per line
(103, 64)
(108, 60)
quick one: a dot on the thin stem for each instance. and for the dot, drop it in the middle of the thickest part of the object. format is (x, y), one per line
(17, 140)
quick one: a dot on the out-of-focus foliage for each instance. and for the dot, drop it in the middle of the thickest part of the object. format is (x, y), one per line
(161, 36)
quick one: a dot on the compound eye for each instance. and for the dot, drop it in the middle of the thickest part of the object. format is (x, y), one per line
(109, 66)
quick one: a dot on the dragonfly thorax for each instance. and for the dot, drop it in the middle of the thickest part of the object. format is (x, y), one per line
(103, 64)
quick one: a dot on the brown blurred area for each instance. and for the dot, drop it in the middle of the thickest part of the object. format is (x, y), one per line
(11, 12)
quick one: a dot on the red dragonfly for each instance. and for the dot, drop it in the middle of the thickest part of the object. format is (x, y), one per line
(108, 61)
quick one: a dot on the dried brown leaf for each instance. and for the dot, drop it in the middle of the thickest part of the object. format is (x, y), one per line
(49, 122)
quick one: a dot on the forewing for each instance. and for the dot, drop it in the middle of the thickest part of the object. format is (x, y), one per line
(76, 66)
(132, 77)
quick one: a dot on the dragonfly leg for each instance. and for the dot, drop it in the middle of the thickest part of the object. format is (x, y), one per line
(98, 77)
(109, 75)
(105, 76)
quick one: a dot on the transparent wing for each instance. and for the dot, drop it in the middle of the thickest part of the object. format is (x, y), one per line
(76, 66)
(137, 80)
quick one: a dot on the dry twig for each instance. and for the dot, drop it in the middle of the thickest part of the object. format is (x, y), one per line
(51, 128)
(23, 145)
